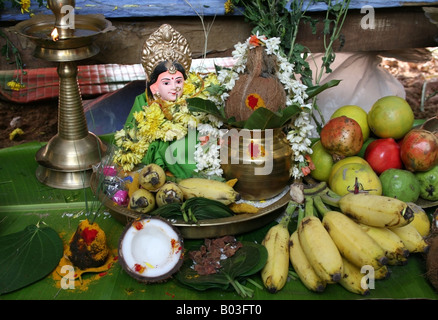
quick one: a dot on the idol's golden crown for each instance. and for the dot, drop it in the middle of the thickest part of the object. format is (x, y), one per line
(165, 44)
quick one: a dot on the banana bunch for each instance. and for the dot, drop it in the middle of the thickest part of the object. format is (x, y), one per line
(302, 266)
(318, 246)
(366, 230)
(276, 241)
(395, 249)
(390, 214)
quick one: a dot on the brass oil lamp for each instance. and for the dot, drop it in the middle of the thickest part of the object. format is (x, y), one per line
(66, 161)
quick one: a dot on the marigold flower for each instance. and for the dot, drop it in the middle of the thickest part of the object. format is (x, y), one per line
(25, 5)
(14, 85)
(14, 133)
(229, 7)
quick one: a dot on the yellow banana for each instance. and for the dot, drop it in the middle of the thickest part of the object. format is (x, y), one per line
(382, 273)
(376, 210)
(169, 193)
(421, 221)
(352, 241)
(319, 247)
(400, 261)
(395, 249)
(210, 189)
(412, 239)
(353, 280)
(275, 272)
(302, 266)
(152, 177)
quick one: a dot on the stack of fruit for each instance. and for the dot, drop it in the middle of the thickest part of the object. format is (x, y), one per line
(383, 149)
(350, 240)
(371, 168)
(151, 191)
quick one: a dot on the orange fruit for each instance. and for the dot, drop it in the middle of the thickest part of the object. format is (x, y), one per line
(390, 117)
(356, 113)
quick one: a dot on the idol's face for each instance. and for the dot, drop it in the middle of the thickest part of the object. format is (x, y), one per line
(168, 86)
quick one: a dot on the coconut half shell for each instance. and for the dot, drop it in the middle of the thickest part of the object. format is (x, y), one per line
(150, 249)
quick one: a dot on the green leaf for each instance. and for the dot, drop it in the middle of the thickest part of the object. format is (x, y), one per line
(315, 90)
(248, 260)
(28, 256)
(263, 118)
(204, 105)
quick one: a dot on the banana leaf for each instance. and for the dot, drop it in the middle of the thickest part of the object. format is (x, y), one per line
(24, 201)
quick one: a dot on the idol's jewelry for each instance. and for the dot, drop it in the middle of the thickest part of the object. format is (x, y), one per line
(165, 44)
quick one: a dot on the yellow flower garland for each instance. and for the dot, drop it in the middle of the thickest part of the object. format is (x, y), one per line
(161, 120)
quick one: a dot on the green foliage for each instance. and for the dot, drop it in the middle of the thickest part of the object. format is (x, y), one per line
(194, 209)
(261, 118)
(248, 260)
(28, 256)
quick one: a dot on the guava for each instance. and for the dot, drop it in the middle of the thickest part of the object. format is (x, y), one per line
(428, 183)
(401, 184)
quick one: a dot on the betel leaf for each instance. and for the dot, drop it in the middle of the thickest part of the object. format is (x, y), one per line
(263, 118)
(205, 105)
(28, 256)
(248, 260)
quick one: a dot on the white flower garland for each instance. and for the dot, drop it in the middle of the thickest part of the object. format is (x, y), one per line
(207, 155)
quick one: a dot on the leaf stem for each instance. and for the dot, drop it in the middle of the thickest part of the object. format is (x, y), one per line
(241, 290)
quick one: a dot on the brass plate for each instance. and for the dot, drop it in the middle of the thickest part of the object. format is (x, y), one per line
(209, 228)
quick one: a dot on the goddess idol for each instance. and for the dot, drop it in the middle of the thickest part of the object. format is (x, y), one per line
(159, 128)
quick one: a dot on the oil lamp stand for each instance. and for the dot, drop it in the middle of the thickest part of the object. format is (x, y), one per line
(67, 160)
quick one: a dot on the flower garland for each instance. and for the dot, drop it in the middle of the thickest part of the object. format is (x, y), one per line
(168, 121)
(300, 130)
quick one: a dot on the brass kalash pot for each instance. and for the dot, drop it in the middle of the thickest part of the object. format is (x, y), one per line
(67, 159)
(260, 160)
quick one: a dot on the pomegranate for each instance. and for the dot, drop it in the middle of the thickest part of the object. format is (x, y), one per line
(419, 150)
(342, 137)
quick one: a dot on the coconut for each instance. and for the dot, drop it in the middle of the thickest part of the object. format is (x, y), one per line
(432, 262)
(257, 87)
(150, 249)
(432, 254)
